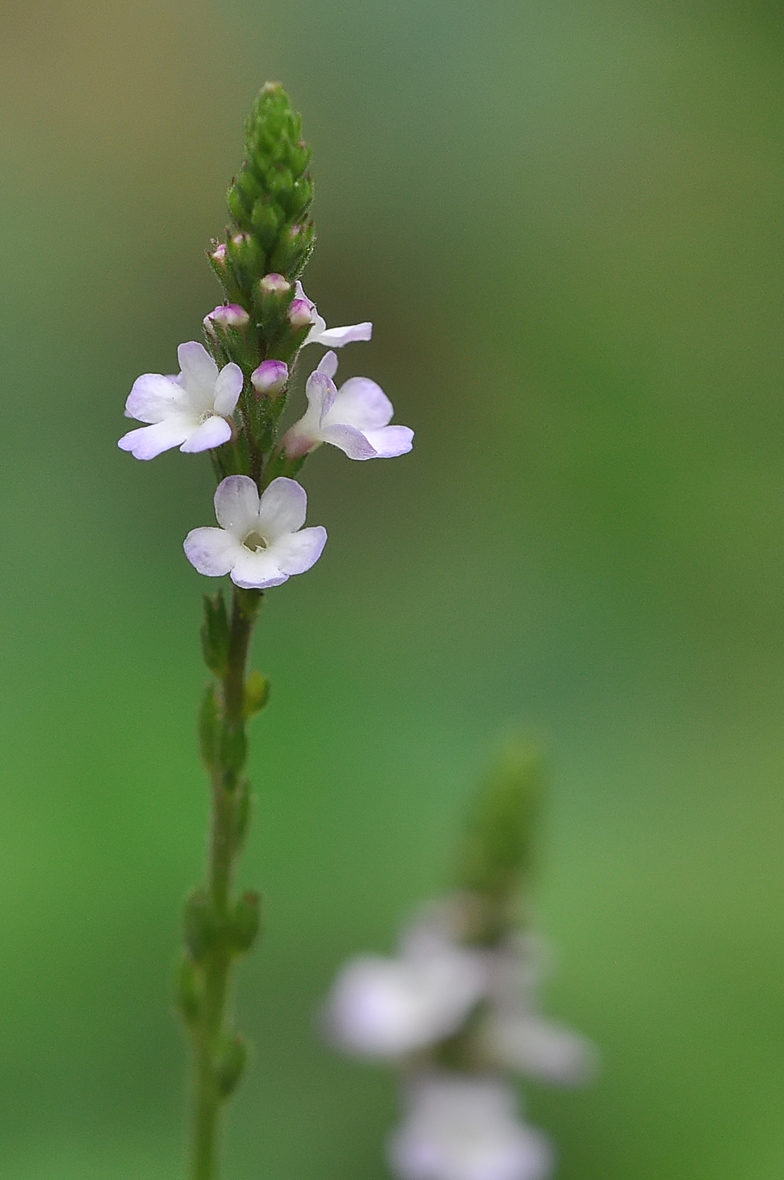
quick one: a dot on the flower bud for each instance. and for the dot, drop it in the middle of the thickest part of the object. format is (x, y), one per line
(219, 253)
(275, 284)
(300, 314)
(270, 377)
(228, 315)
(230, 1065)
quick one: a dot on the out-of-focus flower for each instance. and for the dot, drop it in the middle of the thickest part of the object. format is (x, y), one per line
(465, 1128)
(189, 411)
(304, 311)
(529, 1044)
(261, 541)
(383, 1007)
(354, 418)
(514, 1034)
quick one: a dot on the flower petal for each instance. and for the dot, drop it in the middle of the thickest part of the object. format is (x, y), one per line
(540, 1048)
(211, 551)
(328, 364)
(152, 398)
(337, 337)
(149, 441)
(212, 433)
(237, 505)
(321, 393)
(199, 372)
(349, 440)
(391, 441)
(283, 507)
(361, 403)
(298, 551)
(257, 570)
(228, 388)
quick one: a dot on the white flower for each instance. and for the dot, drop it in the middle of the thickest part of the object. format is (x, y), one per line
(464, 1127)
(389, 1007)
(189, 411)
(514, 1034)
(540, 1048)
(303, 311)
(261, 541)
(353, 418)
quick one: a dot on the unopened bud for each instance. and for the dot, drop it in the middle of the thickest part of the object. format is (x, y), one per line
(275, 284)
(245, 922)
(300, 314)
(228, 315)
(219, 253)
(270, 377)
(230, 1065)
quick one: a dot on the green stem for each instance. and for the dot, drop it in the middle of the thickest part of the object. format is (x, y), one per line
(211, 1028)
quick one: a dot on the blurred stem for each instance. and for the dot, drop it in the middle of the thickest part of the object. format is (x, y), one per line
(211, 1029)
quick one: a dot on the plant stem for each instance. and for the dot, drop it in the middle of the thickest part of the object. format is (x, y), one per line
(210, 1026)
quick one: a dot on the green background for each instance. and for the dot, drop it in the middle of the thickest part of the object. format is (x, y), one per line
(565, 220)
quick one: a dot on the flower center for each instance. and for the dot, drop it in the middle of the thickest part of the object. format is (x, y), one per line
(255, 542)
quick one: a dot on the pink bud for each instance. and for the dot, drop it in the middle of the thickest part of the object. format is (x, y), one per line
(275, 284)
(270, 377)
(228, 315)
(300, 313)
(219, 253)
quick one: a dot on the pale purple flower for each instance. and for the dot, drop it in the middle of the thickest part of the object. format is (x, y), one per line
(465, 1127)
(307, 312)
(270, 377)
(190, 411)
(354, 418)
(261, 541)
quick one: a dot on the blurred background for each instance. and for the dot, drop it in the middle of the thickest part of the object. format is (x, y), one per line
(565, 220)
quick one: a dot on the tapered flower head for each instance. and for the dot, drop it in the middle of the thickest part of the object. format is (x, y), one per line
(354, 418)
(465, 1128)
(261, 541)
(190, 411)
(305, 311)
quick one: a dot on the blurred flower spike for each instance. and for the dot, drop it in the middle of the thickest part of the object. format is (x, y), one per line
(458, 1009)
(354, 418)
(190, 411)
(261, 541)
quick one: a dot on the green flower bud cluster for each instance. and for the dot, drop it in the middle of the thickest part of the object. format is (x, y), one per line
(270, 239)
(270, 198)
(496, 858)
